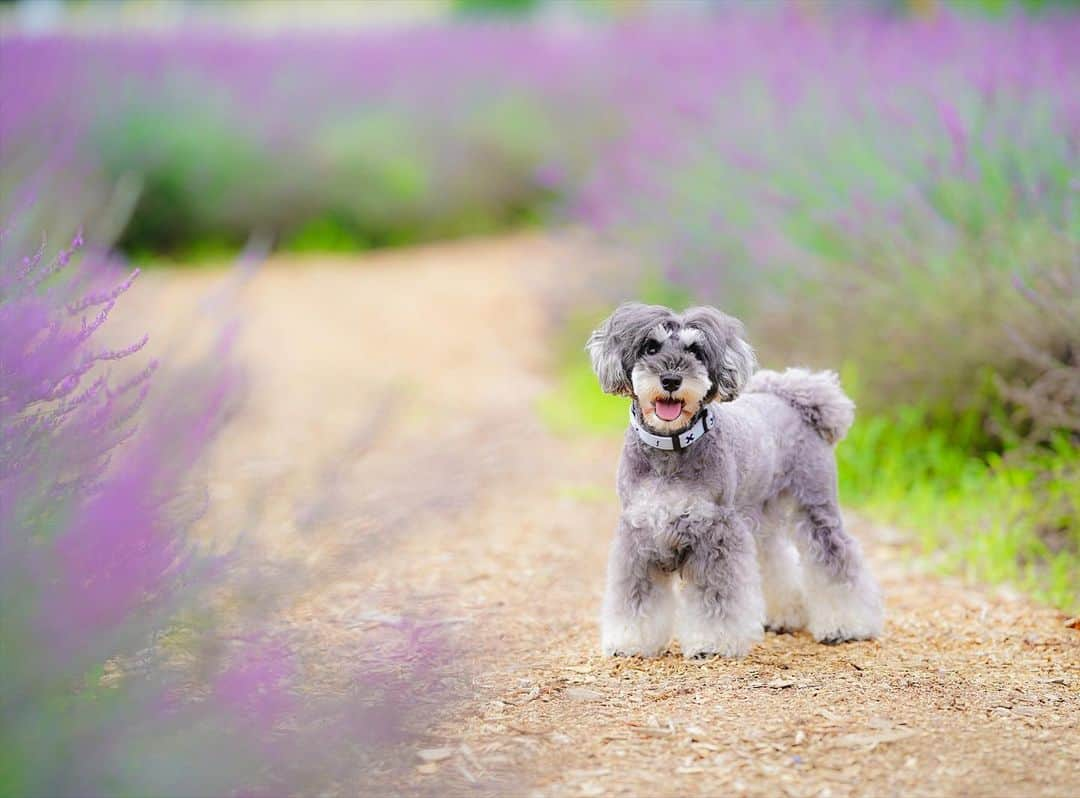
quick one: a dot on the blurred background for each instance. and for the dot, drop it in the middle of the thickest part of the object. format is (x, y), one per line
(888, 188)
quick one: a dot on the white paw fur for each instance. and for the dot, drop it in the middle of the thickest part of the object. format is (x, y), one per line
(839, 611)
(703, 634)
(643, 635)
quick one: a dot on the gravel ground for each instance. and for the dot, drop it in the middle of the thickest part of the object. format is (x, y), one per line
(390, 429)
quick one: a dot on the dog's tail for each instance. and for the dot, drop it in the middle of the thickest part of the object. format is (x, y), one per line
(817, 396)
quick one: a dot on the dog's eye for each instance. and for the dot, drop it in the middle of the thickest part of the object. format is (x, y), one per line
(650, 348)
(695, 350)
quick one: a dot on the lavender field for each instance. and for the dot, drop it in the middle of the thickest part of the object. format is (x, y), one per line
(295, 427)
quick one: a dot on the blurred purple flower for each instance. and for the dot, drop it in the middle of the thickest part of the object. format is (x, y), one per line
(256, 686)
(957, 132)
(96, 563)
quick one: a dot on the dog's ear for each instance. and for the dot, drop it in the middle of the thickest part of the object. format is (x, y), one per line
(614, 345)
(728, 358)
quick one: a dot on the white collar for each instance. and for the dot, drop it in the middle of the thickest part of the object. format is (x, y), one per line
(673, 443)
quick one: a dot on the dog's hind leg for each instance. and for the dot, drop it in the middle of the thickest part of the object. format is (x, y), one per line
(842, 598)
(639, 606)
(721, 609)
(781, 573)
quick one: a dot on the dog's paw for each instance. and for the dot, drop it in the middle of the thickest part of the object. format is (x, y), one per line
(845, 613)
(702, 656)
(706, 644)
(865, 624)
(620, 653)
(705, 651)
(786, 620)
(637, 638)
(702, 634)
(785, 609)
(624, 650)
(839, 640)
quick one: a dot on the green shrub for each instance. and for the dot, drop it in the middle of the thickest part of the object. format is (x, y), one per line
(1012, 518)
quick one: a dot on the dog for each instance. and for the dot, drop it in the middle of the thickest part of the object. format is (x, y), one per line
(730, 522)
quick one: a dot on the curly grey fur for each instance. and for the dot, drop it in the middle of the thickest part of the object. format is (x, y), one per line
(747, 518)
(615, 343)
(816, 395)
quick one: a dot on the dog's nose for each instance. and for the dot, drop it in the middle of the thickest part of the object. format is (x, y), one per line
(671, 382)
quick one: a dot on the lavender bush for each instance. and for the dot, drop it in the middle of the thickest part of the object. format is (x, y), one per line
(883, 180)
(123, 662)
(357, 139)
(92, 558)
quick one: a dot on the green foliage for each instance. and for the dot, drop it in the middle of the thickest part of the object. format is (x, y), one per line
(491, 7)
(578, 405)
(376, 179)
(1013, 518)
(194, 178)
(324, 234)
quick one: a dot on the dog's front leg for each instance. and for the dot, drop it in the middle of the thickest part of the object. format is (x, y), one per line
(722, 610)
(638, 602)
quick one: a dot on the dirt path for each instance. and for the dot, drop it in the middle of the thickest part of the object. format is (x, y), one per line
(415, 374)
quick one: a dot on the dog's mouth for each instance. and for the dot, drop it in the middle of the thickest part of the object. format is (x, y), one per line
(668, 409)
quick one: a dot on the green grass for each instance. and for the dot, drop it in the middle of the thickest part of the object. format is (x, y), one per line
(580, 406)
(1010, 519)
(994, 519)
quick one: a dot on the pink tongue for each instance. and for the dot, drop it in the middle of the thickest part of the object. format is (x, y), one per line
(668, 411)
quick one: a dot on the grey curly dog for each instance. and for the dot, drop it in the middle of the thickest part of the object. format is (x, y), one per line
(730, 522)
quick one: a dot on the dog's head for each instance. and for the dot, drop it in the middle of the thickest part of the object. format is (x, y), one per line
(672, 363)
